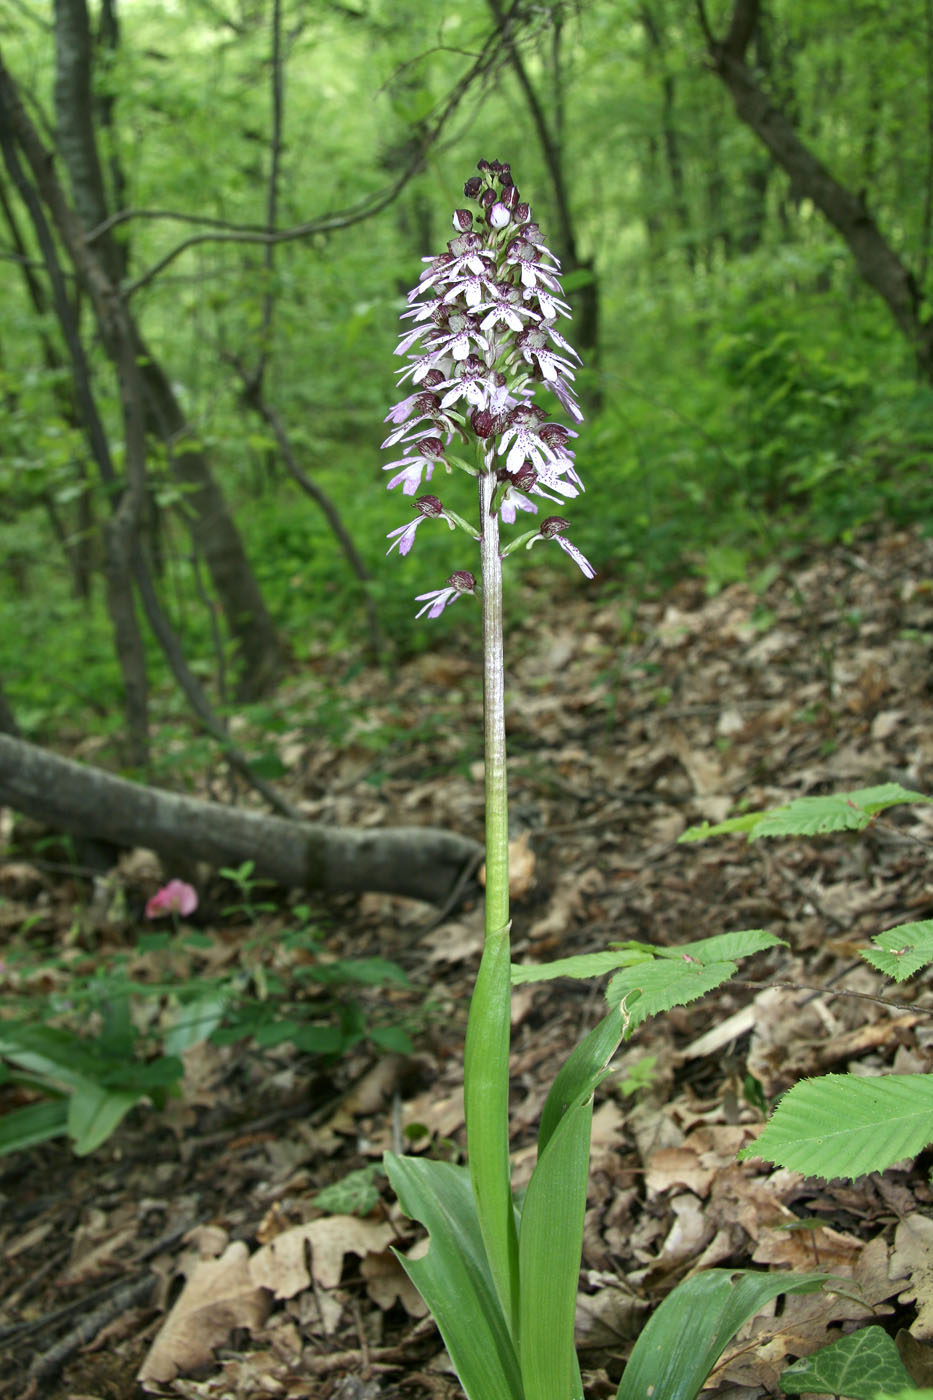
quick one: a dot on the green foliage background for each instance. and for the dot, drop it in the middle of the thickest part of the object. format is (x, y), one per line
(754, 397)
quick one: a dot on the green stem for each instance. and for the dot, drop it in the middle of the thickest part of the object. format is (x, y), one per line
(497, 794)
(486, 1069)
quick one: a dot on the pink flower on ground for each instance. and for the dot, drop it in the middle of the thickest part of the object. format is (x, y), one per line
(174, 898)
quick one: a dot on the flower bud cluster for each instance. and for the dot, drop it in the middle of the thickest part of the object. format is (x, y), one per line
(483, 339)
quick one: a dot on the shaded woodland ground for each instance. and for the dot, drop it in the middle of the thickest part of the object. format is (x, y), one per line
(621, 736)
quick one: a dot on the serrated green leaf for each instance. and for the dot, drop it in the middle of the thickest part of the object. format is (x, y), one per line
(841, 1125)
(727, 828)
(580, 966)
(812, 816)
(687, 1334)
(722, 947)
(858, 1367)
(900, 952)
(453, 1277)
(663, 984)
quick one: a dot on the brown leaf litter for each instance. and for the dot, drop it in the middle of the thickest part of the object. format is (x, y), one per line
(191, 1239)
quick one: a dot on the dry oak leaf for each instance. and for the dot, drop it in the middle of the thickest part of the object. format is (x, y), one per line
(912, 1258)
(218, 1296)
(281, 1264)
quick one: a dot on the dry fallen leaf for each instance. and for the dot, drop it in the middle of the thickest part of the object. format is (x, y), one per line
(218, 1296)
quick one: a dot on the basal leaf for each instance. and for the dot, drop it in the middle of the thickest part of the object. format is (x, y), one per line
(453, 1277)
(842, 1125)
(549, 1247)
(94, 1112)
(860, 1367)
(581, 1072)
(687, 1334)
(486, 1106)
(900, 952)
(37, 1122)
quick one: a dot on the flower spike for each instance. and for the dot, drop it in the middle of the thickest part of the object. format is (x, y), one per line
(480, 339)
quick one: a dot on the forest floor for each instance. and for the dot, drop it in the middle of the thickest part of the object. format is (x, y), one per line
(624, 730)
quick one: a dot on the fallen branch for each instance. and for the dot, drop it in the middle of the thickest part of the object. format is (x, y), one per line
(420, 862)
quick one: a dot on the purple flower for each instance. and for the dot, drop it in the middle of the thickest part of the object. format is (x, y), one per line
(434, 603)
(479, 339)
(176, 897)
(417, 463)
(428, 508)
(553, 529)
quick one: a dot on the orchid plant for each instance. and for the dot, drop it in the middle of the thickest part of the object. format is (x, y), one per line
(501, 1273)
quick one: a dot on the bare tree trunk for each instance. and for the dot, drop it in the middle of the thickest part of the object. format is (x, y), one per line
(420, 862)
(259, 653)
(876, 260)
(653, 28)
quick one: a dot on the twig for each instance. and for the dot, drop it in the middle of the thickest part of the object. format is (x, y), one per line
(128, 1295)
(838, 992)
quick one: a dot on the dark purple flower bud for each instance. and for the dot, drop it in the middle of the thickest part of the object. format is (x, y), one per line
(430, 447)
(463, 581)
(526, 414)
(509, 195)
(483, 165)
(552, 526)
(432, 379)
(554, 435)
(521, 213)
(463, 220)
(483, 422)
(426, 403)
(472, 187)
(525, 478)
(505, 177)
(430, 505)
(487, 198)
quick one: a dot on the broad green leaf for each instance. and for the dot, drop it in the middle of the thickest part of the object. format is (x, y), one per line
(486, 1106)
(195, 1021)
(581, 966)
(37, 1122)
(453, 1277)
(900, 952)
(94, 1112)
(549, 1247)
(721, 946)
(657, 986)
(731, 825)
(685, 1337)
(811, 816)
(581, 1072)
(860, 1366)
(842, 1125)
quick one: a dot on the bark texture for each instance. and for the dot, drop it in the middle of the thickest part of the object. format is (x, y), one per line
(420, 862)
